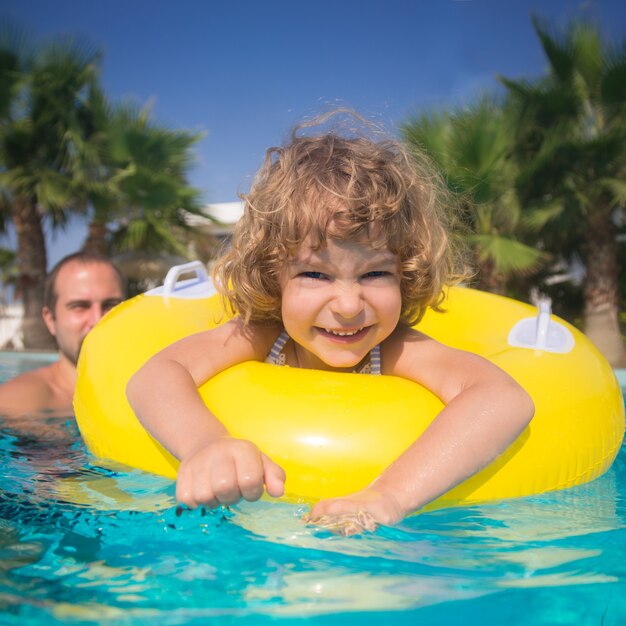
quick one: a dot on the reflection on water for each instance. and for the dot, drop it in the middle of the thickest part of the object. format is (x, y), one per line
(83, 543)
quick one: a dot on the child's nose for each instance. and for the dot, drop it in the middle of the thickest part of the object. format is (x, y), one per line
(347, 300)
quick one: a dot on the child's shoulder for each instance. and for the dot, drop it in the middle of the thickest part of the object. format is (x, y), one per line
(407, 349)
(261, 335)
(405, 337)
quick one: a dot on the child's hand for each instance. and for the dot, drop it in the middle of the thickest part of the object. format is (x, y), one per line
(225, 470)
(346, 525)
(356, 513)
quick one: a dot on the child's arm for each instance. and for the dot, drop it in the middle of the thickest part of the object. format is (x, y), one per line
(485, 412)
(215, 468)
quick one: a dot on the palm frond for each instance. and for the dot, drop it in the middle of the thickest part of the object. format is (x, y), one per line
(508, 255)
(537, 217)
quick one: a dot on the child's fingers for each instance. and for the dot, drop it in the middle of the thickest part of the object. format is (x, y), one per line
(226, 472)
(274, 477)
(224, 482)
(250, 476)
(346, 524)
(342, 516)
(333, 507)
(203, 484)
(193, 492)
(382, 507)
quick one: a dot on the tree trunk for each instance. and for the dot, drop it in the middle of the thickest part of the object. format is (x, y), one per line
(488, 279)
(601, 290)
(96, 240)
(31, 259)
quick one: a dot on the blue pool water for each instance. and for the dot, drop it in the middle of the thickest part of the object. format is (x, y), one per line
(84, 543)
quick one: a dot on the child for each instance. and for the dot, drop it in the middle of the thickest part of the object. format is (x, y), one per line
(341, 249)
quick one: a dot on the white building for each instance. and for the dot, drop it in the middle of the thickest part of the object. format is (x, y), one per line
(11, 326)
(225, 215)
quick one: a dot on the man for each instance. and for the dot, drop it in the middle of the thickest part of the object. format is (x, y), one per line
(79, 290)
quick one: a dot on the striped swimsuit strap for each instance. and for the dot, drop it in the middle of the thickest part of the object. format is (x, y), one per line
(277, 357)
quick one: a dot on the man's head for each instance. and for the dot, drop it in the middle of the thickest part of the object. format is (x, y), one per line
(79, 290)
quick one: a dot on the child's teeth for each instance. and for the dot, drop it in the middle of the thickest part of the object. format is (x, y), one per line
(343, 334)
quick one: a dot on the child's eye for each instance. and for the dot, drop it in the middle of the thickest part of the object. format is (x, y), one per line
(375, 274)
(313, 275)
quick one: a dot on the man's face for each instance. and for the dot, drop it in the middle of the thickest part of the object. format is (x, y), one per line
(85, 292)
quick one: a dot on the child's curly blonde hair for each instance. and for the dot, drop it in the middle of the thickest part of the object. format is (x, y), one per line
(345, 188)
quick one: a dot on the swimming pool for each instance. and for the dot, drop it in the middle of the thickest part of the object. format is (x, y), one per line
(83, 543)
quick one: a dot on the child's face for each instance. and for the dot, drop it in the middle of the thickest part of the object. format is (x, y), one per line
(338, 302)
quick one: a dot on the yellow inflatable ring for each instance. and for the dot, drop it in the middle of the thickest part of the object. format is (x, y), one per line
(334, 433)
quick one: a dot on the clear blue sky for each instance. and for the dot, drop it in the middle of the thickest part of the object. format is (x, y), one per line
(243, 71)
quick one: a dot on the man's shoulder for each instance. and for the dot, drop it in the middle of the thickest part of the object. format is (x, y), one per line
(28, 391)
(39, 378)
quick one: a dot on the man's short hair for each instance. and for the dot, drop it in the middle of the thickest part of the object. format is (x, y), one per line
(50, 294)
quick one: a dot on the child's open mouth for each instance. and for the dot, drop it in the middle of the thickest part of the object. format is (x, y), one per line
(347, 335)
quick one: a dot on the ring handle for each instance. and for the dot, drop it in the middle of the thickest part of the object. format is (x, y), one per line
(175, 272)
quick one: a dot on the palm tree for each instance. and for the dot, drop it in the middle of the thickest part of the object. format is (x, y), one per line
(145, 198)
(472, 148)
(8, 273)
(571, 148)
(43, 108)
(139, 198)
(64, 149)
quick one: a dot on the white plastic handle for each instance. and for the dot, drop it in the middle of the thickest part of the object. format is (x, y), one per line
(174, 273)
(543, 323)
(541, 332)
